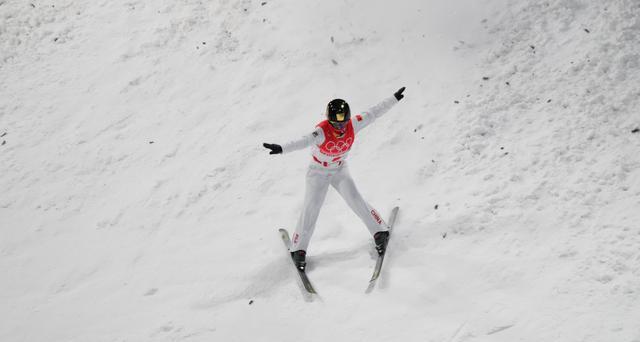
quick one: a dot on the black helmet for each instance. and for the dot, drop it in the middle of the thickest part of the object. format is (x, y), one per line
(338, 113)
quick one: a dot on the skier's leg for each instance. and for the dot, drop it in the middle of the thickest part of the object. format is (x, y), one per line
(317, 184)
(345, 185)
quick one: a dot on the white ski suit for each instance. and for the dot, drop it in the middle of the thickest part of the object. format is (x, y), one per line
(328, 167)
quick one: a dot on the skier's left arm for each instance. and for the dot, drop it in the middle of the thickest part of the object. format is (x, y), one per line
(367, 117)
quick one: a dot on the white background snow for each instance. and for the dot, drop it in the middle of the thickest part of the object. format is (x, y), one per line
(137, 203)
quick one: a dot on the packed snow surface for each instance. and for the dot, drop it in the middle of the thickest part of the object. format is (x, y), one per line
(137, 203)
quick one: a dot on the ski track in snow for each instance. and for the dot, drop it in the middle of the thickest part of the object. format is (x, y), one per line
(137, 204)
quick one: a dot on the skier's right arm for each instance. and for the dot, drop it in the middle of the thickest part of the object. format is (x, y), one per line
(315, 137)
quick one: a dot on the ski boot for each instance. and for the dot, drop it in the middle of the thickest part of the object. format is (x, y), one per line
(298, 259)
(381, 239)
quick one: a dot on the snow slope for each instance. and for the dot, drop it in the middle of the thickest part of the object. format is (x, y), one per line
(137, 203)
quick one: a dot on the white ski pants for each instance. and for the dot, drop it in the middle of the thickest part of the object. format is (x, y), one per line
(317, 185)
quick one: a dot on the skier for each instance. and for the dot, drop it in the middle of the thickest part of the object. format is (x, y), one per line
(331, 141)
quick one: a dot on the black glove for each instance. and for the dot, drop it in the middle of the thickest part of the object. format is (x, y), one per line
(275, 148)
(398, 94)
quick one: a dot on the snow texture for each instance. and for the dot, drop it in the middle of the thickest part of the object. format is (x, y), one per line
(137, 203)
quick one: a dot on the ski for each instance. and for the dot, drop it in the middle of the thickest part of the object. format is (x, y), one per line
(378, 268)
(303, 276)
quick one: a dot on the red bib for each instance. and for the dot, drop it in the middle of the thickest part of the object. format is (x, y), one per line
(336, 144)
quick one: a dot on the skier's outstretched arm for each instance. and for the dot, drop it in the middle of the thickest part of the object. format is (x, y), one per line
(375, 112)
(315, 137)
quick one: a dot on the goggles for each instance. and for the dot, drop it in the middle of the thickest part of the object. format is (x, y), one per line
(340, 121)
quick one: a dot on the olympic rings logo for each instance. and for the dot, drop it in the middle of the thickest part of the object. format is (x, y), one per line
(334, 147)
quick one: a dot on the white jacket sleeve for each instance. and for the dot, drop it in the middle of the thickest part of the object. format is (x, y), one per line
(373, 113)
(315, 137)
